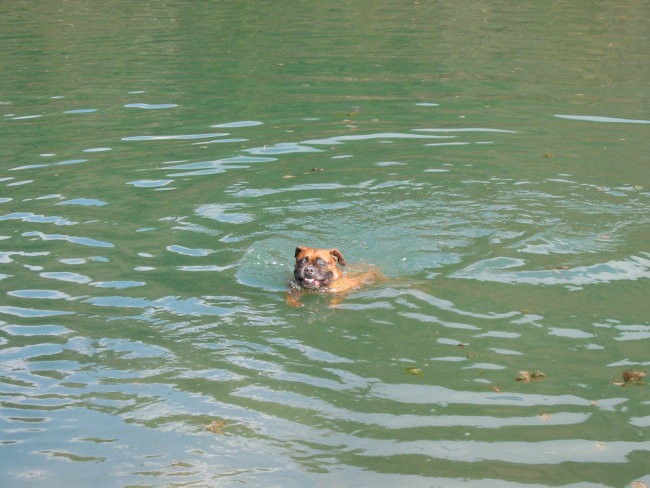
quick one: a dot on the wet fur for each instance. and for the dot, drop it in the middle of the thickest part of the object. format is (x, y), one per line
(317, 270)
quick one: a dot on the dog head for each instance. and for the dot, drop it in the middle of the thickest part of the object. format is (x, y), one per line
(316, 268)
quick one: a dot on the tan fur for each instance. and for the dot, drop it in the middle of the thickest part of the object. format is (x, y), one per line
(340, 283)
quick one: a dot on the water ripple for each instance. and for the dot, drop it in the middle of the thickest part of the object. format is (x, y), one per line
(241, 123)
(430, 394)
(223, 213)
(66, 276)
(150, 183)
(118, 284)
(61, 163)
(182, 137)
(217, 166)
(30, 217)
(597, 118)
(554, 451)
(194, 307)
(7, 256)
(467, 129)
(84, 202)
(186, 251)
(364, 137)
(498, 270)
(81, 111)
(32, 312)
(84, 241)
(40, 294)
(282, 148)
(148, 106)
(36, 330)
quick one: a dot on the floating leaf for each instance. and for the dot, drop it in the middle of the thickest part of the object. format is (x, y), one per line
(216, 426)
(630, 375)
(527, 377)
(414, 371)
(523, 376)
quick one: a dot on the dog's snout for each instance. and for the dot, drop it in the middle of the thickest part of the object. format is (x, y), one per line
(309, 270)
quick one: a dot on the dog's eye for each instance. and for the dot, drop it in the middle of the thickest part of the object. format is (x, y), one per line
(302, 261)
(322, 263)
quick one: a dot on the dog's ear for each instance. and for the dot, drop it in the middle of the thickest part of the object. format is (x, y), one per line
(339, 257)
(299, 249)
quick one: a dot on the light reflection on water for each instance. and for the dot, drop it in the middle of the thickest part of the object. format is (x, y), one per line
(144, 335)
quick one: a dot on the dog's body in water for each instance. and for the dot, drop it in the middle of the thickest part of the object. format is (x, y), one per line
(317, 270)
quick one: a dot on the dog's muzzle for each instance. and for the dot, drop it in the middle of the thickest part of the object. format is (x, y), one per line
(311, 277)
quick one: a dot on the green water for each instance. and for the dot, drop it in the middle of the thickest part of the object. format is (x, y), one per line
(160, 162)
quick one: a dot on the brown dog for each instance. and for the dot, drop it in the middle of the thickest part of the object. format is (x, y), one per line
(317, 271)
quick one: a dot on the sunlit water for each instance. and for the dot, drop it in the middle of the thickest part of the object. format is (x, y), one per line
(160, 164)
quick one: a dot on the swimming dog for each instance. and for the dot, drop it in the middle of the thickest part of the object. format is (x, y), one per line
(317, 270)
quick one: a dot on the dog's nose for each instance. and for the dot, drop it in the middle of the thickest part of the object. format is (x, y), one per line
(308, 271)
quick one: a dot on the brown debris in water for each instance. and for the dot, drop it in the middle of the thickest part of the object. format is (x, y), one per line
(527, 377)
(215, 426)
(415, 371)
(631, 376)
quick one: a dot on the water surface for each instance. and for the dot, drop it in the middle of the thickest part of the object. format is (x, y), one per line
(161, 162)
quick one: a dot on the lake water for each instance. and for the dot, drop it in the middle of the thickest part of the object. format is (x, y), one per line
(160, 162)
